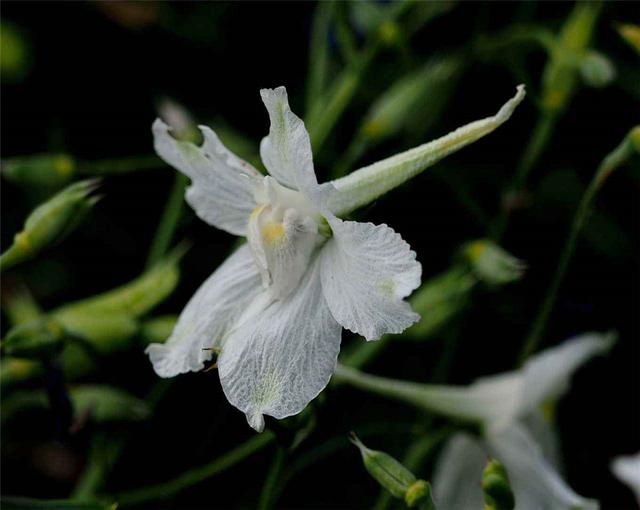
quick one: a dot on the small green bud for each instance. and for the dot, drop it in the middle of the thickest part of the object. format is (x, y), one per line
(48, 170)
(107, 403)
(491, 263)
(394, 477)
(596, 69)
(50, 222)
(497, 489)
(41, 338)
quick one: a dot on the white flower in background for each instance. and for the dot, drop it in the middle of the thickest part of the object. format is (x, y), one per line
(276, 308)
(627, 470)
(509, 407)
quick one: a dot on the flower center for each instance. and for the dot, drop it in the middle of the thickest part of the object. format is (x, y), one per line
(282, 234)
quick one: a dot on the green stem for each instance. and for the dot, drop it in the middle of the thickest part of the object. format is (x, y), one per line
(318, 52)
(169, 220)
(197, 475)
(537, 143)
(610, 163)
(270, 489)
(119, 165)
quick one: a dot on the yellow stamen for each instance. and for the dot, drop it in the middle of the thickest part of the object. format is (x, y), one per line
(273, 232)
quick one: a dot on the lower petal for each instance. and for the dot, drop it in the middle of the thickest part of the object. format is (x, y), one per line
(281, 359)
(207, 316)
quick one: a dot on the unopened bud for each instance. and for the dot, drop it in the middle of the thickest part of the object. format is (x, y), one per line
(491, 263)
(497, 489)
(106, 403)
(48, 170)
(596, 69)
(183, 127)
(631, 34)
(394, 477)
(50, 222)
(36, 339)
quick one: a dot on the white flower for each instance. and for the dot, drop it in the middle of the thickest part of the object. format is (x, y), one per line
(515, 431)
(276, 308)
(627, 470)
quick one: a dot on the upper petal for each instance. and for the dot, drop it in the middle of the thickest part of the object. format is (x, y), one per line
(367, 270)
(286, 151)
(278, 361)
(207, 316)
(536, 485)
(222, 186)
(458, 474)
(547, 375)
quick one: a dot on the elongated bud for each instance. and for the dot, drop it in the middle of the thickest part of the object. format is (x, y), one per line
(394, 477)
(47, 170)
(367, 184)
(183, 127)
(631, 34)
(50, 222)
(41, 338)
(107, 403)
(560, 75)
(496, 487)
(491, 263)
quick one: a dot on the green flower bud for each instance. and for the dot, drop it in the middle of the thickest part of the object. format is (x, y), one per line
(491, 263)
(41, 338)
(497, 490)
(596, 69)
(50, 222)
(16, 370)
(48, 170)
(107, 404)
(631, 34)
(394, 477)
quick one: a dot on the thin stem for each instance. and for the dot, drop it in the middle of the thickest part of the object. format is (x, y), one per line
(169, 220)
(270, 488)
(537, 143)
(612, 161)
(197, 475)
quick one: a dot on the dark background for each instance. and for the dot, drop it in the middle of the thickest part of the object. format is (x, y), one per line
(92, 91)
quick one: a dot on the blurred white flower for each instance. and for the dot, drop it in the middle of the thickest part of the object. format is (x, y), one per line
(509, 407)
(275, 309)
(627, 470)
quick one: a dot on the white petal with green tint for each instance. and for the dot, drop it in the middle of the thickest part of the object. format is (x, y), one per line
(535, 483)
(286, 151)
(277, 362)
(366, 184)
(458, 474)
(367, 271)
(208, 315)
(222, 185)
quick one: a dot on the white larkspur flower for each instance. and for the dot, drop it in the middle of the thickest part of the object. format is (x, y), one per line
(627, 470)
(276, 308)
(509, 407)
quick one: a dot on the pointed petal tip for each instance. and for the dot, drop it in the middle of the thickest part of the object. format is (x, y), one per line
(256, 421)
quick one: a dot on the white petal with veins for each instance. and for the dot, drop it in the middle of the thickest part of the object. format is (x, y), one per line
(208, 316)
(367, 270)
(278, 362)
(222, 185)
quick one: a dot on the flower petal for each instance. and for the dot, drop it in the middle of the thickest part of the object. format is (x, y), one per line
(222, 186)
(627, 470)
(547, 375)
(458, 474)
(536, 485)
(207, 317)
(286, 151)
(278, 361)
(367, 270)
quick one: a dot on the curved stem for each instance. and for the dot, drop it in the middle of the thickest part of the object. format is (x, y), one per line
(270, 488)
(197, 475)
(613, 160)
